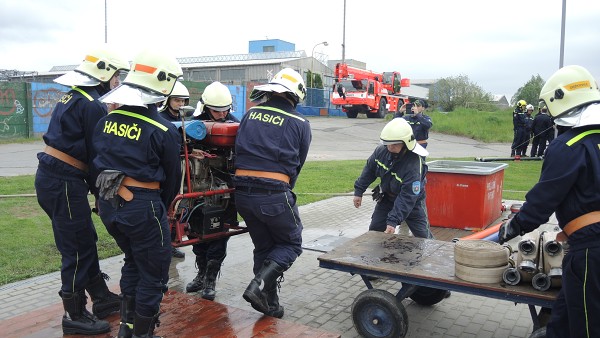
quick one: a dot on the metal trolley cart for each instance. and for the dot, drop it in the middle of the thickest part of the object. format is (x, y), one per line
(425, 267)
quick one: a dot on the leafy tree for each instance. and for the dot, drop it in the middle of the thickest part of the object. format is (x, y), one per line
(530, 92)
(458, 91)
(314, 80)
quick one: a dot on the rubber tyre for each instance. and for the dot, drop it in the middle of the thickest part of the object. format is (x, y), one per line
(352, 114)
(480, 254)
(379, 314)
(428, 296)
(382, 110)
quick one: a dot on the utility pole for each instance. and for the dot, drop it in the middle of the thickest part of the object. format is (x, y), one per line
(344, 36)
(105, 23)
(562, 35)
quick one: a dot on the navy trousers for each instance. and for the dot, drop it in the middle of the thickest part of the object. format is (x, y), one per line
(274, 225)
(64, 198)
(576, 311)
(417, 220)
(141, 230)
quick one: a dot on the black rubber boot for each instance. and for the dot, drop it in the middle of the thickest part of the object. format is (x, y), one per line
(77, 319)
(127, 317)
(175, 252)
(210, 279)
(197, 283)
(143, 327)
(267, 276)
(275, 310)
(104, 302)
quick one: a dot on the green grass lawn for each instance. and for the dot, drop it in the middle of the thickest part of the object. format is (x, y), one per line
(27, 245)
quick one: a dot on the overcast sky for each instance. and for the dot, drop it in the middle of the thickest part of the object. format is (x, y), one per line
(499, 45)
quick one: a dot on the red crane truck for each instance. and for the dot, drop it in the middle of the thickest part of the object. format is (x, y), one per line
(367, 92)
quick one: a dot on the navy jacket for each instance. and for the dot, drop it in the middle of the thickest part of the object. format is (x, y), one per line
(401, 175)
(542, 125)
(136, 141)
(569, 185)
(70, 131)
(420, 124)
(273, 137)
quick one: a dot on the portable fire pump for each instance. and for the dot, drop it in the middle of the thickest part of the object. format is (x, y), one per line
(204, 209)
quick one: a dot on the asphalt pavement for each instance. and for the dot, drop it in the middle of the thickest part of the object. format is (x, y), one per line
(334, 138)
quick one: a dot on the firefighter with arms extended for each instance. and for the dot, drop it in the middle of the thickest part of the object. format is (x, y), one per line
(215, 105)
(569, 186)
(140, 173)
(398, 162)
(271, 147)
(64, 177)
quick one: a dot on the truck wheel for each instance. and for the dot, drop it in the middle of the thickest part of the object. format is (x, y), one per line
(351, 113)
(382, 110)
(378, 313)
(428, 296)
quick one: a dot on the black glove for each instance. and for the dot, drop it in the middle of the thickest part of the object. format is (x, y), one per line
(377, 194)
(508, 230)
(108, 183)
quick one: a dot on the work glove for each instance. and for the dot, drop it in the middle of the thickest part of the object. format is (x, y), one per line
(377, 194)
(509, 229)
(108, 183)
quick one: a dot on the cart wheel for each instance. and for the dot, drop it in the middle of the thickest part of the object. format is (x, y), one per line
(428, 296)
(378, 313)
(539, 333)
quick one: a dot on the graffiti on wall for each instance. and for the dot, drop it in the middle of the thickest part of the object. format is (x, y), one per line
(44, 97)
(13, 114)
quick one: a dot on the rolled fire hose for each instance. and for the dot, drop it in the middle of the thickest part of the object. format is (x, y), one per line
(480, 261)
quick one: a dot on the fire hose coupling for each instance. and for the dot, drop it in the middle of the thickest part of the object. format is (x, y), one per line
(541, 282)
(528, 247)
(553, 248)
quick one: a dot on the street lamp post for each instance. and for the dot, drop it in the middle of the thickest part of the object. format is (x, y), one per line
(312, 65)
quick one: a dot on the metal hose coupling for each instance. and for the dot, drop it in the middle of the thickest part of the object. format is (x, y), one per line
(511, 276)
(553, 248)
(541, 282)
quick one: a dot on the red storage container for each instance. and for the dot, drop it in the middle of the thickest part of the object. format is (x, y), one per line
(220, 134)
(463, 194)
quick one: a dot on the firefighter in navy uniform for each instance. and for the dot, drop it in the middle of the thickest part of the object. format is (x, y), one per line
(170, 111)
(214, 105)
(64, 177)
(271, 147)
(542, 130)
(140, 173)
(398, 162)
(419, 122)
(520, 134)
(180, 96)
(569, 186)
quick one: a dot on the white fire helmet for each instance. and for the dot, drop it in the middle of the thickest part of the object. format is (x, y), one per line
(286, 80)
(151, 79)
(216, 96)
(399, 131)
(98, 66)
(568, 94)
